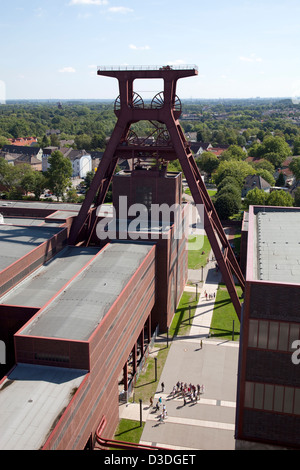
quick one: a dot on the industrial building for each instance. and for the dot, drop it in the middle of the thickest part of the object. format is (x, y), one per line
(268, 402)
(77, 320)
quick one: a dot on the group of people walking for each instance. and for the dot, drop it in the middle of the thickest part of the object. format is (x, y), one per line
(187, 391)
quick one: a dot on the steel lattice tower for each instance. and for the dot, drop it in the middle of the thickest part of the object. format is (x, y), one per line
(169, 144)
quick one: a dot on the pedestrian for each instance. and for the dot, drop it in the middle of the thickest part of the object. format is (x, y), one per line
(184, 401)
(162, 386)
(200, 343)
(151, 401)
(160, 400)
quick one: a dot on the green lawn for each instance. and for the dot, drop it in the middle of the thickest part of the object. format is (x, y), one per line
(146, 384)
(180, 324)
(211, 192)
(223, 316)
(129, 431)
(198, 251)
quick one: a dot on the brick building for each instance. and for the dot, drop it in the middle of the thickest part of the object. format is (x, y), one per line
(78, 320)
(268, 404)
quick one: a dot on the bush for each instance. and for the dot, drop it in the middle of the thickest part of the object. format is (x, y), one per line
(227, 205)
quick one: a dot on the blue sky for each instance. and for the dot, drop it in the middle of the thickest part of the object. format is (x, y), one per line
(49, 49)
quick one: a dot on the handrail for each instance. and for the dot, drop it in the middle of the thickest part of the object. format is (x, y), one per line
(116, 68)
(120, 444)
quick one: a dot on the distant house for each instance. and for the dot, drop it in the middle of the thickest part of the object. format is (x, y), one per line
(47, 151)
(53, 132)
(255, 181)
(81, 162)
(20, 141)
(218, 150)
(199, 147)
(34, 162)
(36, 152)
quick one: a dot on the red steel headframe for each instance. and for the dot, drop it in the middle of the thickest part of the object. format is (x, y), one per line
(130, 109)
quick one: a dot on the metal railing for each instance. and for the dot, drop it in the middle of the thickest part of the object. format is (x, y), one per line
(116, 68)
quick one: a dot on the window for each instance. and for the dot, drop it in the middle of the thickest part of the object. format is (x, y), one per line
(269, 397)
(273, 335)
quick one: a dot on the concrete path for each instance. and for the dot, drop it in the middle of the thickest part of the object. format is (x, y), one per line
(209, 423)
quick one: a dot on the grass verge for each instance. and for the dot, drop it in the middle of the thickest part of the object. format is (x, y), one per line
(224, 314)
(198, 251)
(129, 431)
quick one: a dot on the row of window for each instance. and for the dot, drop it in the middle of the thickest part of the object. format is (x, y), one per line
(270, 397)
(273, 335)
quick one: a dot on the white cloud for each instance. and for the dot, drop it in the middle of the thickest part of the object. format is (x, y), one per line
(84, 16)
(120, 10)
(67, 70)
(88, 2)
(176, 62)
(251, 58)
(139, 48)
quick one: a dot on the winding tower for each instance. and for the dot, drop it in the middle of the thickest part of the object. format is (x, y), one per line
(166, 143)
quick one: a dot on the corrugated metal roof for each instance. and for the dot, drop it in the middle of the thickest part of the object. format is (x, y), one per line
(77, 310)
(278, 246)
(38, 288)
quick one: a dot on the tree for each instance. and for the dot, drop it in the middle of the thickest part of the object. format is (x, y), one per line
(237, 169)
(266, 175)
(89, 178)
(34, 182)
(280, 198)
(297, 197)
(263, 165)
(280, 180)
(227, 205)
(59, 174)
(208, 162)
(234, 152)
(230, 189)
(296, 149)
(294, 166)
(3, 141)
(275, 158)
(72, 195)
(255, 197)
(230, 180)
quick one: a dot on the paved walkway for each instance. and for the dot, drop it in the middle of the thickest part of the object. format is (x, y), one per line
(209, 423)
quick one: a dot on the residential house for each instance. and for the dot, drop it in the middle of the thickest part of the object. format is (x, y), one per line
(289, 177)
(36, 152)
(34, 162)
(255, 181)
(47, 151)
(199, 147)
(20, 141)
(81, 162)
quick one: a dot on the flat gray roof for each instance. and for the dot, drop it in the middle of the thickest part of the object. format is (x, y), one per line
(55, 206)
(31, 399)
(277, 246)
(76, 312)
(12, 220)
(38, 288)
(17, 241)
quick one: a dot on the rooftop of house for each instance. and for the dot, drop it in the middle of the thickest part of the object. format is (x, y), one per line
(256, 181)
(20, 149)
